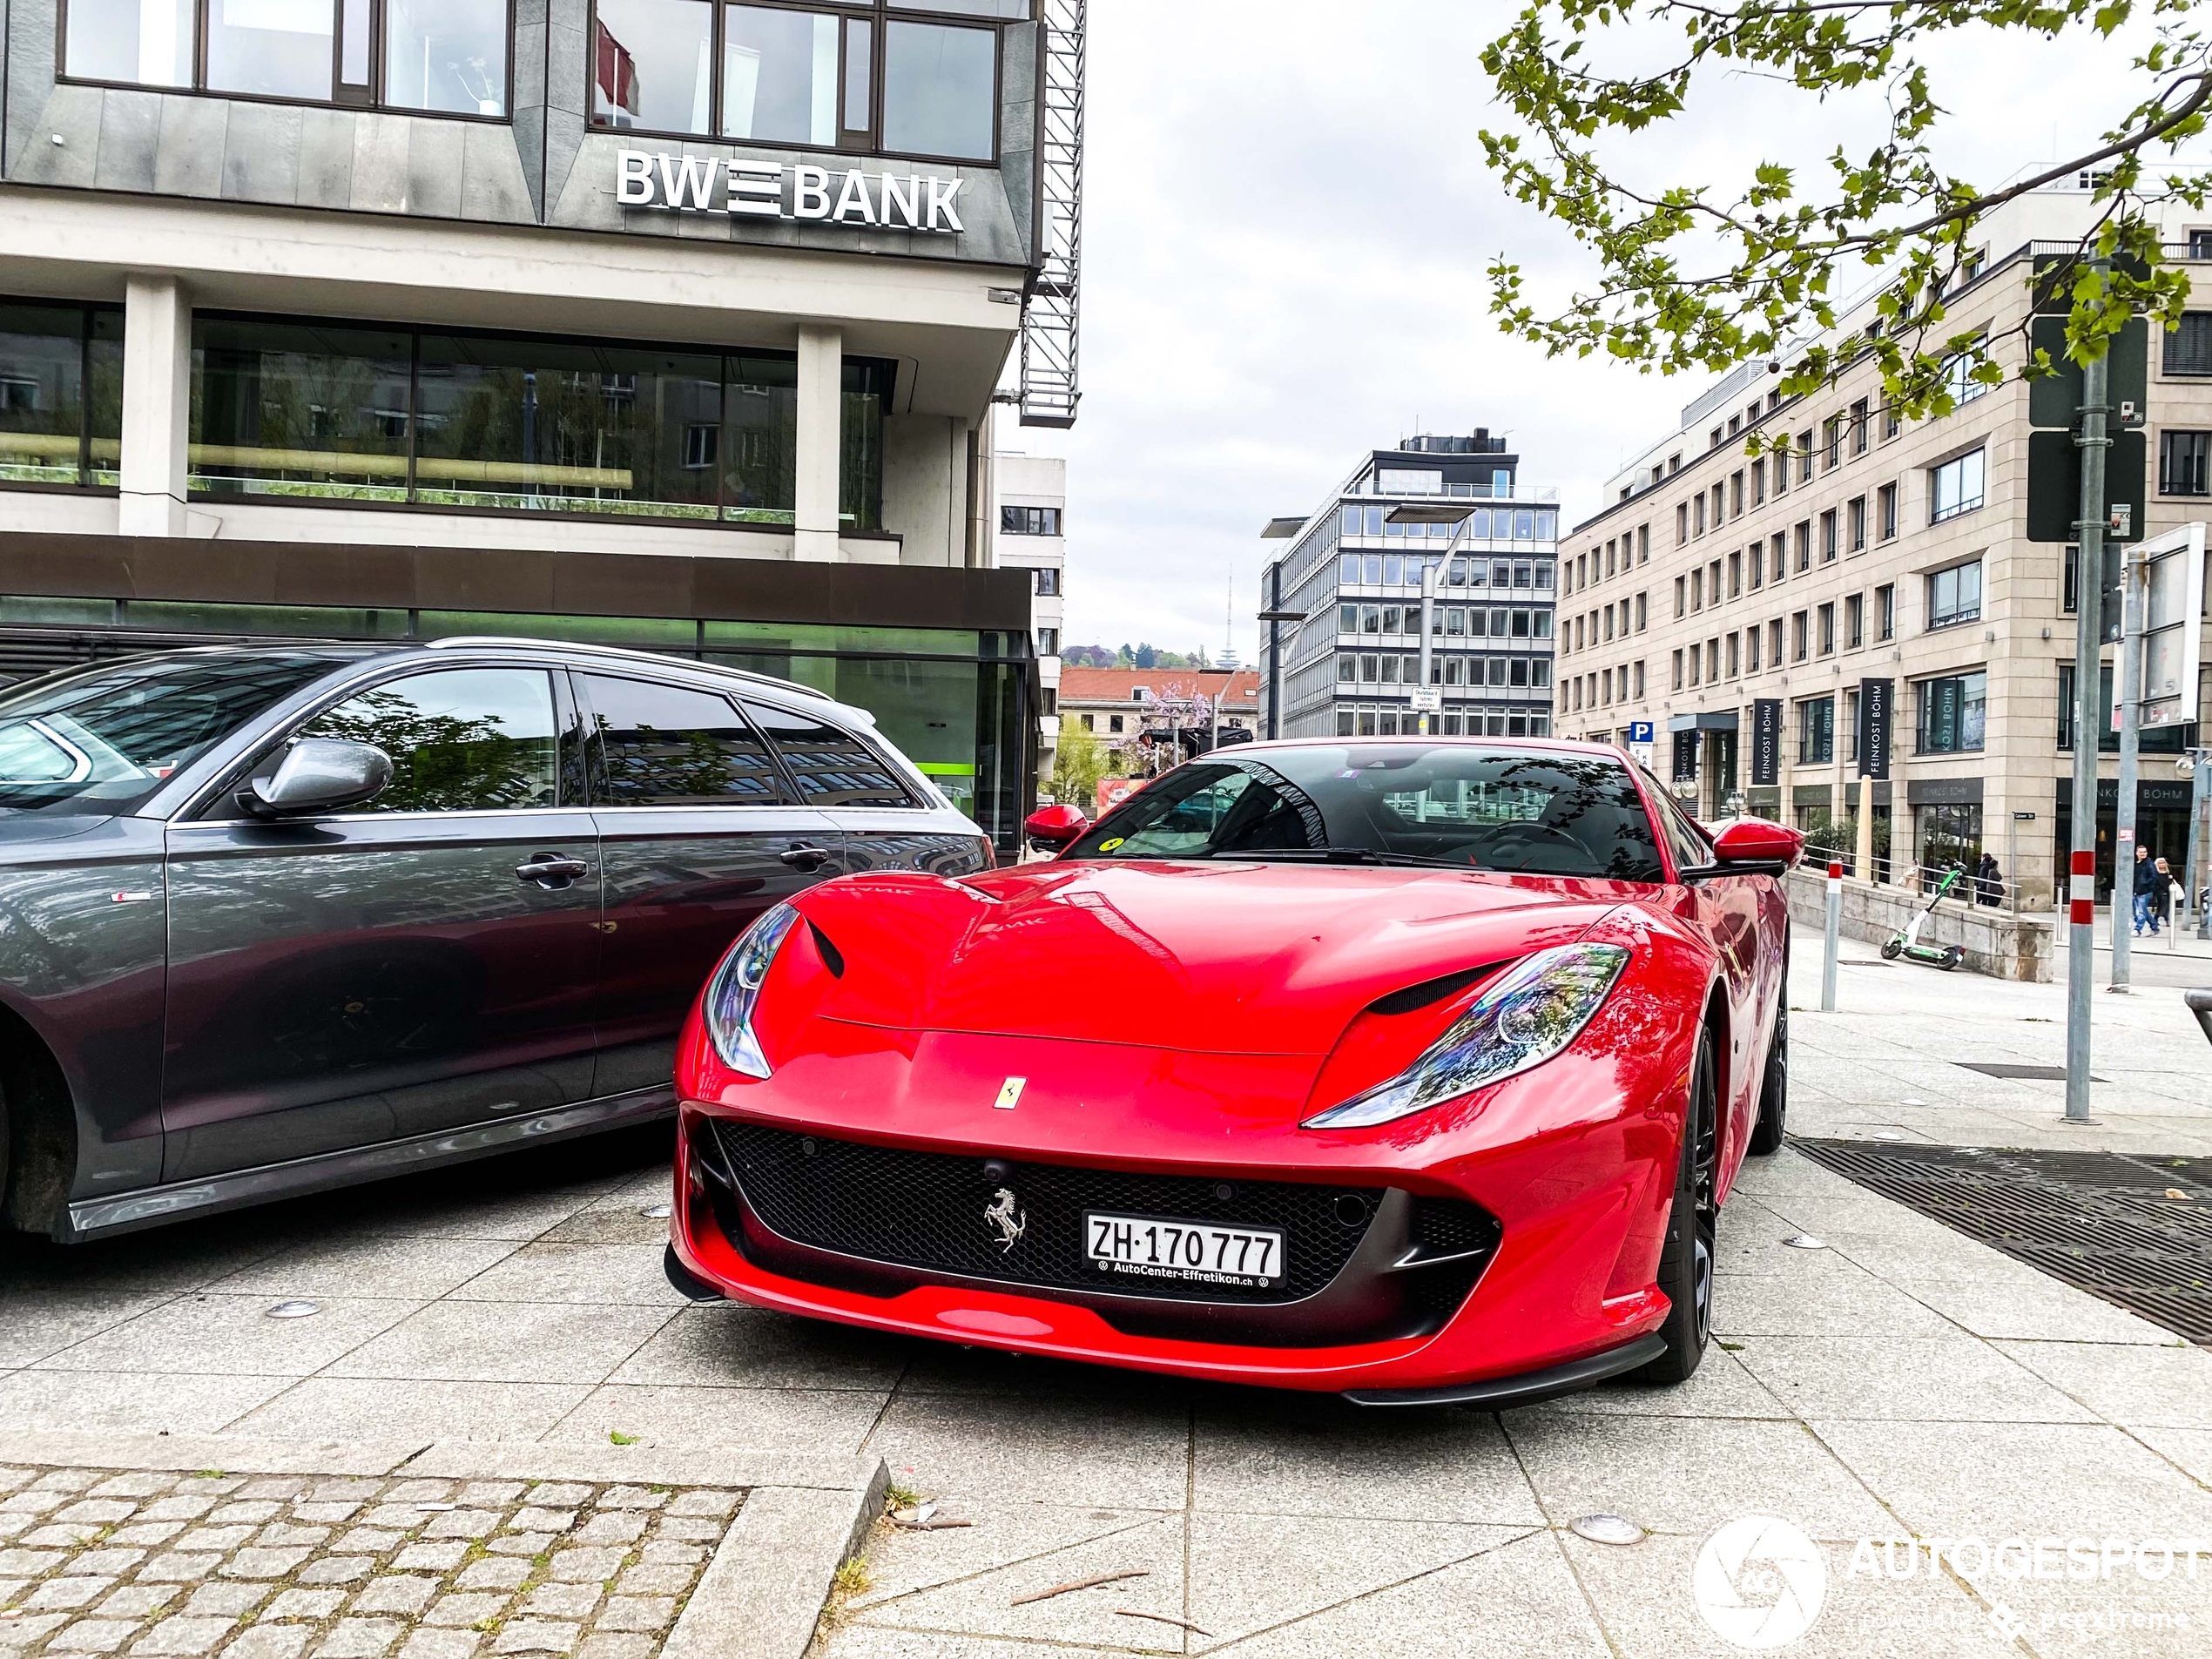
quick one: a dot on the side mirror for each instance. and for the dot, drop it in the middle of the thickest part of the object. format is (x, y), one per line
(1755, 846)
(319, 775)
(1052, 828)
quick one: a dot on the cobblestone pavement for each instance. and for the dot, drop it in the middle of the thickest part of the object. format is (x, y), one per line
(291, 1567)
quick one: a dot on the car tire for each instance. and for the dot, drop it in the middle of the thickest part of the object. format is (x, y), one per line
(1686, 1263)
(1774, 1088)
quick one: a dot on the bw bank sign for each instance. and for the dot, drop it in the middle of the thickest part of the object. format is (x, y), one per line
(772, 189)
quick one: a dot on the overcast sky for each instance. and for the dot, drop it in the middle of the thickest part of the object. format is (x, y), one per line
(1287, 221)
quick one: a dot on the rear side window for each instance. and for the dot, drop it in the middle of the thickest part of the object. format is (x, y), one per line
(669, 745)
(834, 768)
(467, 740)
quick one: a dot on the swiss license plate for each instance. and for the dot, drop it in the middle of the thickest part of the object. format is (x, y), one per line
(1142, 1247)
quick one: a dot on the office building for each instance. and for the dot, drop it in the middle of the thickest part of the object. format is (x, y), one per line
(1720, 588)
(661, 323)
(1341, 656)
(1030, 537)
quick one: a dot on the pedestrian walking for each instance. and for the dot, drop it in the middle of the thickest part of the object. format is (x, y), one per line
(1989, 881)
(2163, 899)
(2147, 884)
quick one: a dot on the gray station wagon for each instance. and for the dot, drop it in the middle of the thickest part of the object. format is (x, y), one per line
(278, 918)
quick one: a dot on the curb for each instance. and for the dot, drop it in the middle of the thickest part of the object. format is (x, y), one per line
(761, 1597)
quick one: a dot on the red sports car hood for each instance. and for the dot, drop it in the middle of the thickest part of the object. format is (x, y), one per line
(1219, 958)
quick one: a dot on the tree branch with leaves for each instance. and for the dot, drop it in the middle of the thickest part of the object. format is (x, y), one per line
(1695, 279)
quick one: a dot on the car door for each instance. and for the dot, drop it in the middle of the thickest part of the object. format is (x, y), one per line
(699, 832)
(1726, 908)
(882, 824)
(420, 963)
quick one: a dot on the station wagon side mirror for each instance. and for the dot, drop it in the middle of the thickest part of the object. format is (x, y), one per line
(1052, 828)
(319, 775)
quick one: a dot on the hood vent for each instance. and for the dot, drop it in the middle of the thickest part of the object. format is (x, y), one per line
(1429, 991)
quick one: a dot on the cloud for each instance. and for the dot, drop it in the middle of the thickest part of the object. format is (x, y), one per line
(1287, 221)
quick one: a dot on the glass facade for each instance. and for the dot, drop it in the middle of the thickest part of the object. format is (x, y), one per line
(512, 422)
(61, 393)
(443, 56)
(857, 77)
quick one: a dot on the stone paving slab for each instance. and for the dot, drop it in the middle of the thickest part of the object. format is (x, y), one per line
(180, 1547)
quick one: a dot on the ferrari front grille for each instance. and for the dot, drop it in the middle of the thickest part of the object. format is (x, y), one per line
(927, 1210)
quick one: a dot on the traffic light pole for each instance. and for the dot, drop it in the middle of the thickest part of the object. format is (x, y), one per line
(2088, 638)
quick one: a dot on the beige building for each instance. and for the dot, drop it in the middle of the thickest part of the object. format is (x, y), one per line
(1875, 549)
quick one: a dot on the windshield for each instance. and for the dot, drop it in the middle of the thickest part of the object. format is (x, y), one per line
(1459, 805)
(102, 742)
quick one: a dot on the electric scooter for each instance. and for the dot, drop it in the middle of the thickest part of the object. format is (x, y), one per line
(1907, 943)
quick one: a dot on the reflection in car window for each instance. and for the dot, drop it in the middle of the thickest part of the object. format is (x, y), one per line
(669, 745)
(834, 768)
(1684, 840)
(1541, 813)
(103, 741)
(463, 739)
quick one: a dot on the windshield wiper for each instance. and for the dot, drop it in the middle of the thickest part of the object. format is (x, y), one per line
(1334, 855)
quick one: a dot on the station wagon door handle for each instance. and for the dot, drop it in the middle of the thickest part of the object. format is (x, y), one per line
(808, 859)
(551, 869)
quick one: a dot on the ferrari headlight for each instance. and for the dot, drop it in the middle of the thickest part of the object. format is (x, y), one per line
(1522, 1019)
(734, 991)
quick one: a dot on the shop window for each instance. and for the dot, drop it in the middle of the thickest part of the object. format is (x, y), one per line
(441, 57)
(1953, 713)
(1816, 731)
(61, 393)
(2159, 739)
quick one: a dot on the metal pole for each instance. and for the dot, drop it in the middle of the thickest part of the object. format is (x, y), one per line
(1834, 931)
(1429, 567)
(2088, 637)
(2123, 839)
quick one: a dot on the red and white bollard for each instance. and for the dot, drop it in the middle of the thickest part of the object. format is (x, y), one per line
(1835, 931)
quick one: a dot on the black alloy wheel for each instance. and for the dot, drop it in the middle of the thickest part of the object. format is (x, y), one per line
(1774, 1088)
(1686, 1264)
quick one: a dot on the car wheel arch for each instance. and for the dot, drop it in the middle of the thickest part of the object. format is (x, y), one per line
(38, 1128)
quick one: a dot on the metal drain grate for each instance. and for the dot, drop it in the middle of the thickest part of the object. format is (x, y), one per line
(2101, 1221)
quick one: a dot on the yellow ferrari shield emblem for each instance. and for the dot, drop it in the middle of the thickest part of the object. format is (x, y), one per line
(1010, 1094)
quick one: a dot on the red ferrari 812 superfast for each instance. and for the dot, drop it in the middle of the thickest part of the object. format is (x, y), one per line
(1418, 1069)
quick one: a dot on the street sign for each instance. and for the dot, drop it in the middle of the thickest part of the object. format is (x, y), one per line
(2173, 566)
(1766, 741)
(1639, 731)
(2055, 481)
(1426, 699)
(2056, 401)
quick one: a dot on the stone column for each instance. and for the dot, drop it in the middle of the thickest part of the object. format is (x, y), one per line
(157, 406)
(821, 402)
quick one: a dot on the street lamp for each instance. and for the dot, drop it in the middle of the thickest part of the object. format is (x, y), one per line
(1408, 512)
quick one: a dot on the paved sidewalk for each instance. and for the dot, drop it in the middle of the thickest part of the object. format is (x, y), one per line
(1902, 1381)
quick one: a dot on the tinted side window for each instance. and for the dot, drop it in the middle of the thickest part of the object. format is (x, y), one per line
(1689, 847)
(669, 745)
(834, 768)
(464, 740)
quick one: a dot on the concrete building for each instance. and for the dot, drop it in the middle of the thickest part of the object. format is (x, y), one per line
(1738, 601)
(659, 322)
(1117, 703)
(1343, 656)
(1029, 536)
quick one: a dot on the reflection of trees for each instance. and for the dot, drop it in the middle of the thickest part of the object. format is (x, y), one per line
(645, 765)
(443, 762)
(560, 418)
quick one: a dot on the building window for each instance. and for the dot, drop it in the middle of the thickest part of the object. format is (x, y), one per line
(1855, 523)
(1677, 671)
(1697, 589)
(1892, 422)
(1755, 562)
(1816, 731)
(1952, 713)
(2167, 739)
(1774, 641)
(442, 57)
(1799, 637)
(1697, 518)
(1782, 467)
(1048, 645)
(1347, 669)
(1955, 486)
(1047, 581)
(1858, 426)
(61, 393)
(1736, 495)
(1644, 544)
(1735, 656)
(1751, 651)
(1886, 611)
(2188, 349)
(1090, 723)
(1885, 512)
(1639, 678)
(285, 407)
(852, 80)
(1758, 482)
(1642, 618)
(2183, 459)
(1854, 621)
(1959, 373)
(1826, 621)
(1113, 723)
(1735, 575)
(1832, 442)
(1805, 456)
(1804, 545)
(1954, 595)
(1028, 521)
(1681, 588)
(1828, 536)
